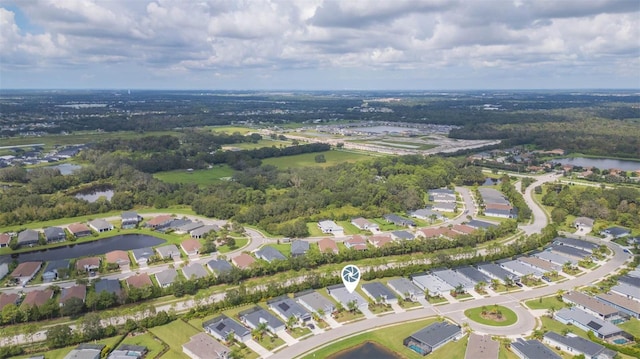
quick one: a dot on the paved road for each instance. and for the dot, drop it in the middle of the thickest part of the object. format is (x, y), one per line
(539, 218)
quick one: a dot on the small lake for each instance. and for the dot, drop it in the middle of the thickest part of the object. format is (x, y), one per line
(93, 196)
(600, 163)
(66, 168)
(124, 242)
(368, 350)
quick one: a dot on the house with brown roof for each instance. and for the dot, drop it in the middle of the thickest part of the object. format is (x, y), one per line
(89, 264)
(77, 291)
(139, 281)
(25, 271)
(243, 261)
(380, 241)
(118, 257)
(4, 240)
(463, 229)
(37, 298)
(160, 222)
(430, 232)
(8, 298)
(191, 246)
(591, 305)
(326, 245)
(365, 225)
(79, 230)
(356, 242)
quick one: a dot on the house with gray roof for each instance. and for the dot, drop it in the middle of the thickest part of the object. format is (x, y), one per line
(474, 223)
(570, 252)
(454, 279)
(398, 221)
(625, 305)
(314, 301)
(575, 346)
(378, 292)
(85, 351)
(188, 227)
(299, 248)
(142, 255)
(501, 213)
(202, 231)
(429, 282)
(286, 308)
(588, 322)
(630, 280)
(473, 274)
(202, 346)
(194, 270)
(582, 222)
(166, 277)
(220, 328)
(54, 234)
(616, 232)
(555, 258)
(532, 349)
(444, 207)
(269, 254)
(170, 251)
(340, 293)
(100, 225)
(591, 305)
(255, 316)
(406, 289)
(427, 214)
(126, 351)
(328, 226)
(219, 266)
(576, 243)
(518, 268)
(130, 219)
(53, 269)
(627, 291)
(432, 337)
(402, 236)
(28, 237)
(108, 285)
(497, 272)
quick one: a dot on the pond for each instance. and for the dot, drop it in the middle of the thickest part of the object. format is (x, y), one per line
(365, 351)
(601, 163)
(91, 197)
(66, 168)
(123, 242)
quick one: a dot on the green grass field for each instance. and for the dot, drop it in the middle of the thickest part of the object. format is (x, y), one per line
(389, 337)
(154, 346)
(174, 335)
(265, 142)
(509, 315)
(230, 129)
(240, 242)
(200, 177)
(546, 303)
(549, 324)
(308, 159)
(632, 327)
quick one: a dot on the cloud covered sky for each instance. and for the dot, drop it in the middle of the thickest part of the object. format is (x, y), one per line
(320, 44)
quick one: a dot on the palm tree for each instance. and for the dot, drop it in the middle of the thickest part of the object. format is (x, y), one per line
(538, 334)
(321, 313)
(353, 306)
(495, 283)
(559, 294)
(566, 267)
(291, 322)
(484, 310)
(480, 286)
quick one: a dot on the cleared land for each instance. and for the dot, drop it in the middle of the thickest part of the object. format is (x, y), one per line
(199, 177)
(308, 159)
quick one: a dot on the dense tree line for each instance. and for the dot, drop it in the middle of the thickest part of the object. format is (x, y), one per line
(516, 199)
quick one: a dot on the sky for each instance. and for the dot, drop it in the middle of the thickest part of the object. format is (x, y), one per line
(319, 44)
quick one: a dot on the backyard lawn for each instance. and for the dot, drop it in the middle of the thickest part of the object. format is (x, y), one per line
(174, 335)
(154, 346)
(632, 327)
(240, 242)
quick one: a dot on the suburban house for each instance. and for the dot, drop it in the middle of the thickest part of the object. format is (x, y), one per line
(329, 226)
(142, 255)
(432, 337)
(54, 268)
(243, 261)
(100, 225)
(191, 246)
(36, 298)
(139, 281)
(25, 271)
(86, 351)
(221, 327)
(625, 305)
(126, 351)
(202, 346)
(616, 232)
(576, 346)
(627, 291)
(442, 195)
(219, 266)
(255, 316)
(583, 222)
(463, 229)
(4, 240)
(518, 268)
(568, 251)
(444, 207)
(406, 289)
(89, 264)
(199, 233)
(380, 240)
(77, 291)
(166, 277)
(327, 245)
(315, 302)
(398, 221)
(356, 242)
(159, 222)
(427, 214)
(436, 233)
(340, 293)
(168, 252)
(473, 274)
(365, 225)
(474, 223)
(299, 248)
(540, 264)
(269, 254)
(108, 285)
(588, 322)
(532, 349)
(591, 306)
(286, 308)
(555, 258)
(79, 230)
(481, 347)
(379, 293)
(495, 271)
(501, 213)
(28, 237)
(5, 261)
(130, 219)
(576, 243)
(431, 284)
(402, 236)
(54, 234)
(6, 299)
(118, 257)
(188, 227)
(454, 279)
(194, 270)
